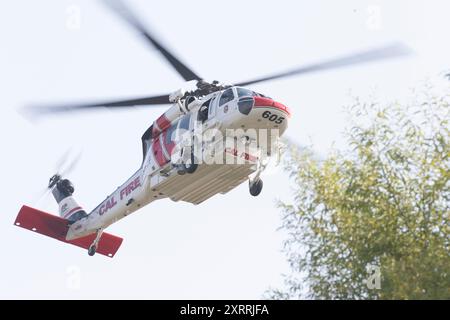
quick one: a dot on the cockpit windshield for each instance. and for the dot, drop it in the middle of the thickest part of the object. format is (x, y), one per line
(242, 92)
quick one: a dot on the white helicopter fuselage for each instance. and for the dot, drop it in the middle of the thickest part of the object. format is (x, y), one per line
(222, 161)
(209, 141)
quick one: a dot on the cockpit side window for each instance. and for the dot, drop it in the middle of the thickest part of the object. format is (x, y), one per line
(227, 96)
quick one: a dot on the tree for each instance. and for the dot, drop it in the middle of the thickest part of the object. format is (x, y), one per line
(377, 211)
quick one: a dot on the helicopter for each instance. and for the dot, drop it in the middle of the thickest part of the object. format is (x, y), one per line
(210, 140)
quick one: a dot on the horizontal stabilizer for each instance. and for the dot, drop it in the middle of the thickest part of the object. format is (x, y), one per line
(56, 227)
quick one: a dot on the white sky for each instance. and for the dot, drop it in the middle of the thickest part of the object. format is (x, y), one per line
(228, 247)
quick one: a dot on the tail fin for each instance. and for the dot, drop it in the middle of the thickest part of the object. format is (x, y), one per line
(69, 209)
(62, 190)
(56, 227)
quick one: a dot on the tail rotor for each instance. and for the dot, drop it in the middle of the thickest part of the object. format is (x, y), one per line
(65, 165)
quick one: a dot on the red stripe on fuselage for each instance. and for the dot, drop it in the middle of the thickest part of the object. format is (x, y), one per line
(72, 211)
(261, 102)
(163, 123)
(158, 152)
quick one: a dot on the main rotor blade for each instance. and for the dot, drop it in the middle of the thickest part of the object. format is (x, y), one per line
(387, 52)
(71, 165)
(123, 11)
(62, 160)
(146, 101)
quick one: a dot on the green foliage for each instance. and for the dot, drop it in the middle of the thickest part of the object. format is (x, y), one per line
(385, 202)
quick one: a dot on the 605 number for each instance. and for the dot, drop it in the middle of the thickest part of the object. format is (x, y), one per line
(273, 117)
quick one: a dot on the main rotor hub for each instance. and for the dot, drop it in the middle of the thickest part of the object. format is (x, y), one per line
(204, 88)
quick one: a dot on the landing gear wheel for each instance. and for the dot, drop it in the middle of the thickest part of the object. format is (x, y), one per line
(255, 188)
(192, 166)
(92, 249)
(181, 170)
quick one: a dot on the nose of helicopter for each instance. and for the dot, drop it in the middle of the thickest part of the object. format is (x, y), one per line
(269, 114)
(259, 112)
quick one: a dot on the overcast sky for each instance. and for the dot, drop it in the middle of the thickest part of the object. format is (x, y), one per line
(228, 247)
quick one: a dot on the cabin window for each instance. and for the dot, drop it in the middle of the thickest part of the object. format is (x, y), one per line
(170, 136)
(185, 122)
(183, 126)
